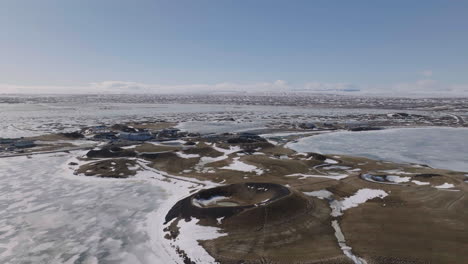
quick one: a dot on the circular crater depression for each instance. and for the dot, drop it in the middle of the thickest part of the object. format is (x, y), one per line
(227, 200)
(261, 221)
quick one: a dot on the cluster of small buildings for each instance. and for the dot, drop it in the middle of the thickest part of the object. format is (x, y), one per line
(105, 133)
(234, 138)
(307, 125)
(136, 136)
(351, 126)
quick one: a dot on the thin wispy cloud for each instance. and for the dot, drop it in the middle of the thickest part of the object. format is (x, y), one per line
(426, 73)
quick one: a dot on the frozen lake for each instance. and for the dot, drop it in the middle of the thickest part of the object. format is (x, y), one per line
(17, 120)
(445, 148)
(48, 215)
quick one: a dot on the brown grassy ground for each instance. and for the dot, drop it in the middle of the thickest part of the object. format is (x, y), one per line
(413, 224)
(109, 168)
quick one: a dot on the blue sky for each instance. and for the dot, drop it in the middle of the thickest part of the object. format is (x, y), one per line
(158, 46)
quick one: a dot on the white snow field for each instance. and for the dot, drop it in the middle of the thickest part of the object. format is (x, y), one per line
(49, 215)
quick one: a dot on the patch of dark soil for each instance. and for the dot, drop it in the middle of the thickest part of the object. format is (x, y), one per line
(73, 135)
(190, 143)
(250, 148)
(205, 151)
(109, 168)
(357, 129)
(427, 175)
(316, 156)
(111, 152)
(124, 128)
(246, 138)
(394, 260)
(162, 155)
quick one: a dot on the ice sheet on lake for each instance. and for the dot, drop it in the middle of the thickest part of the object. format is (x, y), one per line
(443, 148)
(286, 134)
(51, 216)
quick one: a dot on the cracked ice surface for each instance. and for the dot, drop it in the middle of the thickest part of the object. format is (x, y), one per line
(48, 215)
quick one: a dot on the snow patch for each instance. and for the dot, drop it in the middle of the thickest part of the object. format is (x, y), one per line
(445, 186)
(321, 194)
(342, 243)
(360, 197)
(232, 149)
(331, 176)
(420, 182)
(397, 179)
(189, 237)
(209, 201)
(186, 156)
(241, 166)
(395, 171)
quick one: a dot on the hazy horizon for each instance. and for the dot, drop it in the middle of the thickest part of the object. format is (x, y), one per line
(396, 48)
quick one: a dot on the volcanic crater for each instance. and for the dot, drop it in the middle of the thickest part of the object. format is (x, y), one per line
(262, 221)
